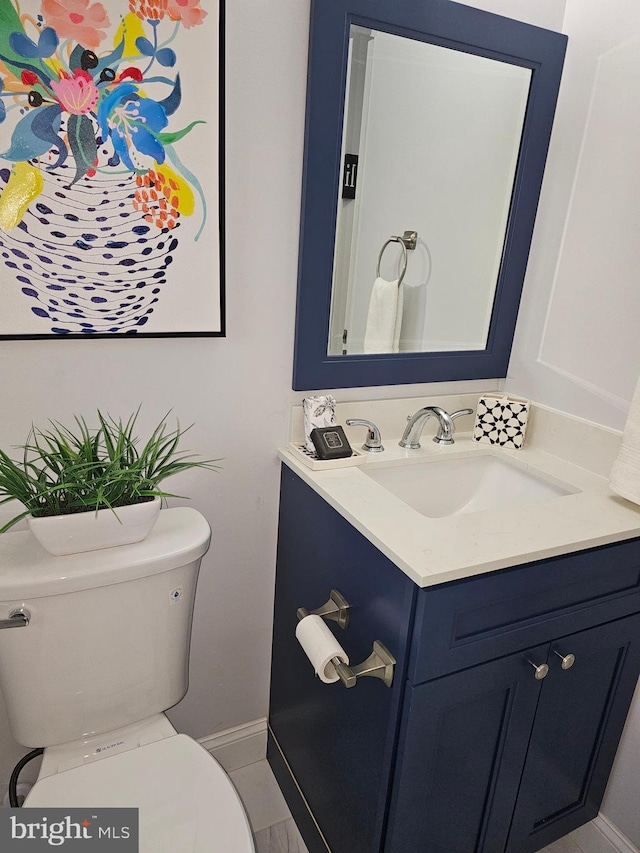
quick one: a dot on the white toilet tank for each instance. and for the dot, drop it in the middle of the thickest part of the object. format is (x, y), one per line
(108, 638)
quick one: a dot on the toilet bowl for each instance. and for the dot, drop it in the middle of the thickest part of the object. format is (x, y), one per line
(185, 800)
(102, 652)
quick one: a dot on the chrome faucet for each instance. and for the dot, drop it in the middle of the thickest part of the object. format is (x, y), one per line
(373, 442)
(411, 436)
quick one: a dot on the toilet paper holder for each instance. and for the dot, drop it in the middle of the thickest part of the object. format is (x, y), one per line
(336, 609)
(380, 663)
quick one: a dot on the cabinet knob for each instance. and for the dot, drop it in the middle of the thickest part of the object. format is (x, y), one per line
(541, 669)
(567, 660)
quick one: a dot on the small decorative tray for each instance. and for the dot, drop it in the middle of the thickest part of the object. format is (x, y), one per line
(311, 461)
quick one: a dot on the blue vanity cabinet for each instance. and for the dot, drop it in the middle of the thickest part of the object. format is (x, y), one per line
(338, 743)
(492, 759)
(467, 752)
(463, 745)
(577, 727)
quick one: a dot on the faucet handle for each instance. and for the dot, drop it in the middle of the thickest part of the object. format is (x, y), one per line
(373, 442)
(460, 412)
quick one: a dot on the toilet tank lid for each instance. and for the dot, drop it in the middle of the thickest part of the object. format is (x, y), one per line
(180, 536)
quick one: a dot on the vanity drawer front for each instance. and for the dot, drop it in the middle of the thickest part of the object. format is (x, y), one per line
(461, 624)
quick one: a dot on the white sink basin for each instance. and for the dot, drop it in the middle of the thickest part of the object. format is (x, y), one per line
(443, 487)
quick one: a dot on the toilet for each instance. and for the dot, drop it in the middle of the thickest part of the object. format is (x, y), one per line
(104, 654)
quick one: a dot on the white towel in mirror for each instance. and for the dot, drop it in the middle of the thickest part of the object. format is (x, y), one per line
(625, 472)
(384, 320)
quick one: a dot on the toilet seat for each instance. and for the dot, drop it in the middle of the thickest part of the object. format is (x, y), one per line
(186, 801)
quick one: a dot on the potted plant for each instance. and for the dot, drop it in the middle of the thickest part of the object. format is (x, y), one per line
(85, 489)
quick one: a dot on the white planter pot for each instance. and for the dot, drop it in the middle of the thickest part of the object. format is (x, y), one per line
(91, 531)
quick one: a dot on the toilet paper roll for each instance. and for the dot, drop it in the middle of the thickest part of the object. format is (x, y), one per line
(320, 646)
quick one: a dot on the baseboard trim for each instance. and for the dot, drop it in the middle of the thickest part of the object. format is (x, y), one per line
(239, 746)
(602, 836)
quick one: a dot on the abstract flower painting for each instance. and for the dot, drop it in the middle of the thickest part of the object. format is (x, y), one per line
(110, 152)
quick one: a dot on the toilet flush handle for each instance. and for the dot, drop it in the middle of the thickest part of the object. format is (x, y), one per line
(17, 619)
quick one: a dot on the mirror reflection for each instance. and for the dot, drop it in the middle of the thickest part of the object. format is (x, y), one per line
(431, 138)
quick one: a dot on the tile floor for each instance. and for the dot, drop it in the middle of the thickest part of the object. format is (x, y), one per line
(273, 827)
(565, 845)
(275, 831)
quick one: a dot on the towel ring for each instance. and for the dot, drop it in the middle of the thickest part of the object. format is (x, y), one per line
(408, 241)
(404, 258)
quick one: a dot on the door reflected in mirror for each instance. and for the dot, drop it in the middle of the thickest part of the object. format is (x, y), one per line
(431, 138)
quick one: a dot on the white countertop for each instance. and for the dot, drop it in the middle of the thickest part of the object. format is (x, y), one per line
(436, 550)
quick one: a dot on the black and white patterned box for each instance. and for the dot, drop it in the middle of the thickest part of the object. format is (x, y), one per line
(501, 421)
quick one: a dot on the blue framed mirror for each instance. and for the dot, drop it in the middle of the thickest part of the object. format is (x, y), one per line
(428, 125)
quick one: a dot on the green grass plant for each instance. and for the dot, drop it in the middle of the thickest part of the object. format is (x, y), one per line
(68, 470)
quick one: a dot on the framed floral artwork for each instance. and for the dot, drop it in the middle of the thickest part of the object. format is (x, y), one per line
(111, 177)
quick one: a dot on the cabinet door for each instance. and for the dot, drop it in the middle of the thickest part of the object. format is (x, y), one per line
(463, 745)
(338, 743)
(580, 717)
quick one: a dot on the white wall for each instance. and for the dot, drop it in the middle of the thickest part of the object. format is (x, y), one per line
(623, 792)
(577, 346)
